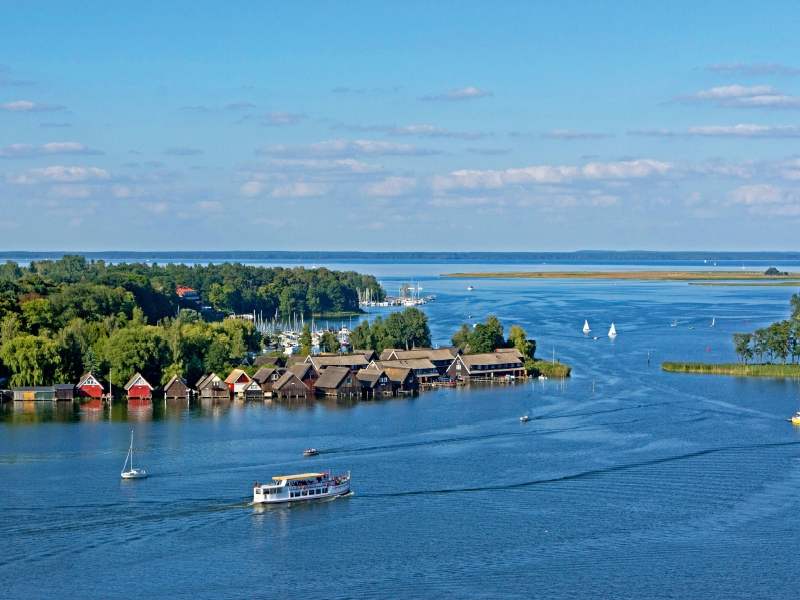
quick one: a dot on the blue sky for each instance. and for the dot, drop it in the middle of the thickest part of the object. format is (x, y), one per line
(399, 126)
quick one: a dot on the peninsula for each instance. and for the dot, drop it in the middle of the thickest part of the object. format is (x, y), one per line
(632, 275)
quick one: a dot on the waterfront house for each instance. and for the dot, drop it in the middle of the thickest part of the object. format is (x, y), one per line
(424, 370)
(354, 362)
(375, 382)
(267, 376)
(441, 358)
(486, 366)
(370, 355)
(89, 387)
(294, 359)
(289, 386)
(65, 391)
(237, 380)
(253, 391)
(307, 374)
(212, 386)
(176, 387)
(6, 395)
(339, 381)
(35, 392)
(138, 388)
(402, 379)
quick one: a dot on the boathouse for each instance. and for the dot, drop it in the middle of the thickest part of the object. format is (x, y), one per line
(307, 374)
(237, 381)
(35, 392)
(339, 381)
(486, 366)
(441, 358)
(65, 391)
(176, 387)
(402, 379)
(424, 370)
(375, 382)
(289, 386)
(263, 360)
(252, 391)
(354, 362)
(89, 387)
(211, 386)
(267, 376)
(138, 388)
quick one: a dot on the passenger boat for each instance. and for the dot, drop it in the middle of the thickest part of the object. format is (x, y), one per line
(301, 487)
(310, 452)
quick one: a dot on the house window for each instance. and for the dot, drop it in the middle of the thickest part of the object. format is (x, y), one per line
(349, 380)
(458, 366)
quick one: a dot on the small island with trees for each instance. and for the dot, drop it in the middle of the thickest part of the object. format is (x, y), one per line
(775, 351)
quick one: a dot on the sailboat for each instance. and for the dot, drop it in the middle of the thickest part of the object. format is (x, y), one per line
(612, 333)
(674, 323)
(132, 473)
(713, 322)
(586, 326)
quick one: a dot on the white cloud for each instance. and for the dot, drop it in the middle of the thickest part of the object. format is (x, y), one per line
(210, 207)
(471, 179)
(312, 164)
(28, 106)
(759, 96)
(346, 148)
(566, 134)
(300, 190)
(631, 169)
(283, 118)
(69, 191)
(155, 207)
(766, 199)
(52, 148)
(391, 186)
(466, 93)
(58, 174)
(755, 69)
(251, 188)
(742, 130)
(433, 131)
(488, 151)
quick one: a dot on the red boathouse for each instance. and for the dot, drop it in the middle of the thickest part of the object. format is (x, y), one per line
(138, 387)
(89, 387)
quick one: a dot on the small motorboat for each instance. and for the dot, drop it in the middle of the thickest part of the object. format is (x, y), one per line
(469, 288)
(132, 473)
(690, 327)
(524, 419)
(796, 419)
(542, 377)
(310, 452)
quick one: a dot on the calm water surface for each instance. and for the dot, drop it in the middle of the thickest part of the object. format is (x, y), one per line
(654, 485)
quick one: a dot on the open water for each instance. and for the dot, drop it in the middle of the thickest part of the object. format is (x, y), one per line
(629, 483)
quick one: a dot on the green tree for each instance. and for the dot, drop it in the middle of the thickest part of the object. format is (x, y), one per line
(487, 337)
(39, 315)
(219, 351)
(742, 343)
(329, 343)
(795, 305)
(461, 337)
(305, 339)
(361, 336)
(140, 349)
(409, 328)
(33, 360)
(518, 338)
(380, 336)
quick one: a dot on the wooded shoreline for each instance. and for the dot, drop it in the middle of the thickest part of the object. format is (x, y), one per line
(631, 275)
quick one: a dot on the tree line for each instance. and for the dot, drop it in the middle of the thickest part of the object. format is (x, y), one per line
(778, 342)
(60, 319)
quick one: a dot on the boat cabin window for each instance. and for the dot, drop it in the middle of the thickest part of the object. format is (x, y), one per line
(258, 490)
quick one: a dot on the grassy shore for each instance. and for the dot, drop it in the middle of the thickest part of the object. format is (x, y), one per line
(632, 275)
(541, 367)
(733, 369)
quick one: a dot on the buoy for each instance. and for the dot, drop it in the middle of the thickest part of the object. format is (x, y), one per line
(708, 349)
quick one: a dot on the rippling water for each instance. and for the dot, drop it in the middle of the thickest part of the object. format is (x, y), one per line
(649, 485)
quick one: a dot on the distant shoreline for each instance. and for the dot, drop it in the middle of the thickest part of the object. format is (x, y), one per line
(631, 275)
(579, 255)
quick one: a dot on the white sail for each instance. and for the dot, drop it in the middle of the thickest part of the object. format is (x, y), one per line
(612, 332)
(586, 326)
(713, 322)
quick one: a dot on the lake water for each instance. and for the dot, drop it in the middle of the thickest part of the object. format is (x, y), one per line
(629, 483)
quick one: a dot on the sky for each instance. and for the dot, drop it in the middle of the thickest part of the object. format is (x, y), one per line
(392, 126)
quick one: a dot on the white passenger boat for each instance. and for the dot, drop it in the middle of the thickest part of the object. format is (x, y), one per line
(304, 486)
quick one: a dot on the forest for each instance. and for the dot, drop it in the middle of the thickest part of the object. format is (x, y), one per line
(776, 343)
(59, 319)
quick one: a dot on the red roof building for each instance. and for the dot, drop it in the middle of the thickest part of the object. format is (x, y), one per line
(89, 387)
(138, 387)
(186, 293)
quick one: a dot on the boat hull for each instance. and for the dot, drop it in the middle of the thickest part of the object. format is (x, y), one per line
(796, 420)
(134, 474)
(333, 491)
